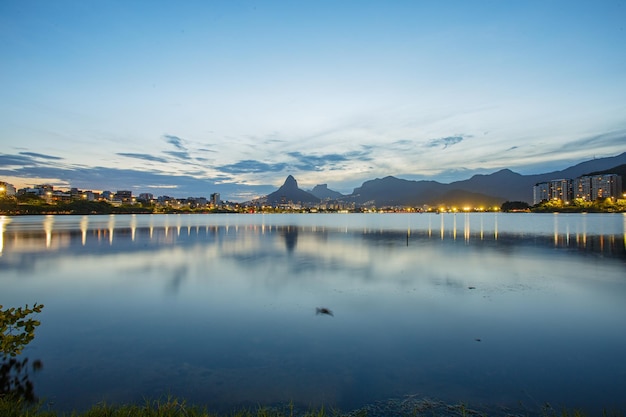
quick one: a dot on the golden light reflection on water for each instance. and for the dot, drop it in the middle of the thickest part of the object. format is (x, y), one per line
(133, 226)
(430, 228)
(495, 230)
(4, 220)
(482, 230)
(556, 229)
(48, 224)
(111, 228)
(84, 225)
(441, 227)
(454, 227)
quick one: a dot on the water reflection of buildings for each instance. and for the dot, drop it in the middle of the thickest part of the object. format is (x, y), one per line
(96, 234)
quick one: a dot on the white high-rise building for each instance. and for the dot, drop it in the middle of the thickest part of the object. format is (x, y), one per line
(593, 187)
(588, 187)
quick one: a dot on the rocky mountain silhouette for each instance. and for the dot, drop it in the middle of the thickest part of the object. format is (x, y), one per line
(322, 192)
(479, 190)
(289, 192)
(485, 190)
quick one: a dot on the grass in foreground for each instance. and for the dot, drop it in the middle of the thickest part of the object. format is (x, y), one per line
(171, 407)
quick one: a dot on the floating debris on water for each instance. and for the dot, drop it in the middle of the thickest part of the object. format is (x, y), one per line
(324, 310)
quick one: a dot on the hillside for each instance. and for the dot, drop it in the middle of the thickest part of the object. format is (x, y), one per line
(619, 170)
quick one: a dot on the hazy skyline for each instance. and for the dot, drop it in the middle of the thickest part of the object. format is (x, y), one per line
(191, 98)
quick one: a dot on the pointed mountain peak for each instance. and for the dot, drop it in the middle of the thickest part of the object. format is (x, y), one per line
(290, 184)
(289, 191)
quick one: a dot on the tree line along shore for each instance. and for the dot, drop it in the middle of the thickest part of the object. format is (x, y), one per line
(29, 205)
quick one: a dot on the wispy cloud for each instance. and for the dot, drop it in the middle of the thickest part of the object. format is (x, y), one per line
(102, 178)
(312, 162)
(315, 162)
(143, 156)
(162, 186)
(445, 142)
(601, 140)
(182, 151)
(251, 166)
(176, 141)
(11, 160)
(402, 142)
(41, 156)
(179, 155)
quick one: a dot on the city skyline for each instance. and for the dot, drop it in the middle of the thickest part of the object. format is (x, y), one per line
(231, 97)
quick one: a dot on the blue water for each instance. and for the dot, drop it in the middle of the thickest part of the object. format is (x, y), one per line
(480, 308)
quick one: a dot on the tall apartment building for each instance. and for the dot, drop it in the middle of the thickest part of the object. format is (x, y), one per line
(560, 189)
(541, 192)
(215, 199)
(593, 187)
(589, 187)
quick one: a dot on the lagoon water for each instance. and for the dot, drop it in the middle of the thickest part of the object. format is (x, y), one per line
(510, 310)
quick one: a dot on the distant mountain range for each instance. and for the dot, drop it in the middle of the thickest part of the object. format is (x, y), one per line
(486, 190)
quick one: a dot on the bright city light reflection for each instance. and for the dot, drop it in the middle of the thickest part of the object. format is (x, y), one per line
(556, 230)
(47, 227)
(441, 217)
(133, 226)
(481, 227)
(84, 223)
(4, 220)
(111, 226)
(495, 227)
(454, 227)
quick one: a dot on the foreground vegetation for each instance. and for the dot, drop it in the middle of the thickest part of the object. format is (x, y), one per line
(171, 407)
(166, 408)
(579, 205)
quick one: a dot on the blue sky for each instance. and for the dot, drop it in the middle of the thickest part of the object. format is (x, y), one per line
(190, 98)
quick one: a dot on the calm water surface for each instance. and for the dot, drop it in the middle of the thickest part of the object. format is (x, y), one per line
(499, 309)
